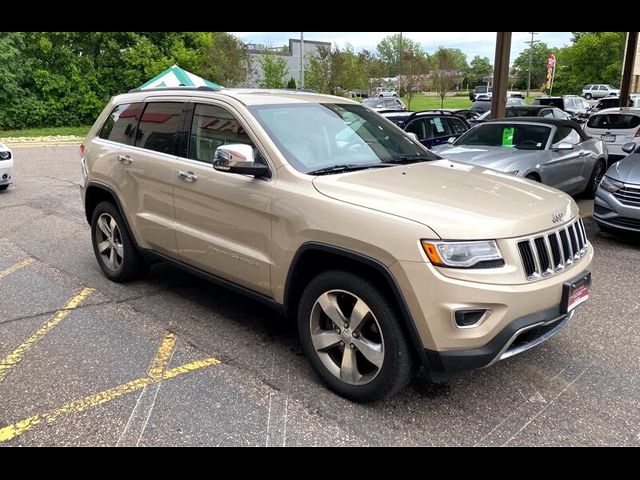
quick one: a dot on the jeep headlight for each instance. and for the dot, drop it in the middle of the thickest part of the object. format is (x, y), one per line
(482, 254)
(610, 185)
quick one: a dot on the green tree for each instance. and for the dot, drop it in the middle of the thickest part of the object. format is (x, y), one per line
(445, 71)
(520, 68)
(390, 50)
(274, 70)
(291, 84)
(222, 58)
(318, 71)
(415, 66)
(595, 57)
(479, 68)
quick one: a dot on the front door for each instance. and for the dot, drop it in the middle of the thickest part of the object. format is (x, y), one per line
(223, 222)
(565, 168)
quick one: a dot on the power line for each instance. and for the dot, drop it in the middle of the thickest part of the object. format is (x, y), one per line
(531, 43)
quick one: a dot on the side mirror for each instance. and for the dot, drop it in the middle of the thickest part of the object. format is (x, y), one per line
(563, 146)
(629, 147)
(238, 158)
(450, 140)
(413, 136)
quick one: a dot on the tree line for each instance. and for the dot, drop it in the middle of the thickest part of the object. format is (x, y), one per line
(65, 78)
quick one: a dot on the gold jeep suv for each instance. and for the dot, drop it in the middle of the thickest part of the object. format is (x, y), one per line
(389, 257)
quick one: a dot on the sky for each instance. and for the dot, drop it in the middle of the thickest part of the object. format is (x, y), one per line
(471, 43)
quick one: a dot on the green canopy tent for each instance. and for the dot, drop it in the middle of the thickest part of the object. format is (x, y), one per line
(177, 77)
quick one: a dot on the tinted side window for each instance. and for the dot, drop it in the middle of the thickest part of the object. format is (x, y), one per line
(566, 134)
(161, 127)
(559, 114)
(121, 123)
(456, 125)
(548, 113)
(437, 127)
(418, 127)
(213, 126)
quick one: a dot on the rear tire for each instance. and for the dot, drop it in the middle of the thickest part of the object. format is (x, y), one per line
(113, 246)
(360, 351)
(3, 187)
(596, 176)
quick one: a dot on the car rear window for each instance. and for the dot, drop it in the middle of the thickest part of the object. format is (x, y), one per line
(614, 120)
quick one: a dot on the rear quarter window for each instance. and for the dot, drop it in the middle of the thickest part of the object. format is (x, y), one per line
(121, 123)
(614, 120)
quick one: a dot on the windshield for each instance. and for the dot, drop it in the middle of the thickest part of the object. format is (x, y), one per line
(508, 135)
(313, 136)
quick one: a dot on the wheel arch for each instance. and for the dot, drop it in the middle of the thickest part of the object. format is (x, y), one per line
(97, 192)
(313, 258)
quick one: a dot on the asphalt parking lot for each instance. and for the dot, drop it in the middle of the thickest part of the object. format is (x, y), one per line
(173, 360)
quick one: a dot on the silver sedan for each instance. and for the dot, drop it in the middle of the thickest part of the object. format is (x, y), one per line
(617, 204)
(555, 152)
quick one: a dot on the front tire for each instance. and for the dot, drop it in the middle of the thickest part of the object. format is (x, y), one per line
(588, 96)
(596, 176)
(4, 187)
(113, 246)
(351, 335)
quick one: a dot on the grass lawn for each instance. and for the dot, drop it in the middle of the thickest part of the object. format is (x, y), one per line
(46, 132)
(423, 102)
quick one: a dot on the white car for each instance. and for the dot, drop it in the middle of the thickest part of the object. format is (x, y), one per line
(599, 91)
(6, 165)
(615, 126)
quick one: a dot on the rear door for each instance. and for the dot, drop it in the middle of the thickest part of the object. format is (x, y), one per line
(147, 172)
(223, 222)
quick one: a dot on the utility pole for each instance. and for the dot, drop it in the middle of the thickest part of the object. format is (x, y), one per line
(531, 43)
(301, 59)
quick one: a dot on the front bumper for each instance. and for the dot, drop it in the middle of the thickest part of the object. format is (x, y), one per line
(5, 172)
(511, 310)
(517, 337)
(610, 212)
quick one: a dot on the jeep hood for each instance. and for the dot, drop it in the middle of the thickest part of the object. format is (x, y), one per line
(457, 201)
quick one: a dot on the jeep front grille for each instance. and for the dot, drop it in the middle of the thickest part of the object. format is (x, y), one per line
(552, 252)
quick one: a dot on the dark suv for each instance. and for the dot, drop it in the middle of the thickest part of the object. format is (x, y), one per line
(433, 127)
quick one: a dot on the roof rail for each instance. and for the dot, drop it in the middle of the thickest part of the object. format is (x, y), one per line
(431, 110)
(204, 88)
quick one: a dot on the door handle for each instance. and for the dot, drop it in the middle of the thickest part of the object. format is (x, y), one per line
(126, 159)
(584, 153)
(187, 176)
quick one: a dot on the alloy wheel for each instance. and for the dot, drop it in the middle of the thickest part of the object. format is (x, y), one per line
(347, 337)
(109, 242)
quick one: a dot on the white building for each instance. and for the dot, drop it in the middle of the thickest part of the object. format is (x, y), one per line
(291, 54)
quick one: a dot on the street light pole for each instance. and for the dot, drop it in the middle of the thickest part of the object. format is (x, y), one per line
(301, 59)
(531, 43)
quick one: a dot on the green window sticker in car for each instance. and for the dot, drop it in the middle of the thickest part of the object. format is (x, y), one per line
(507, 137)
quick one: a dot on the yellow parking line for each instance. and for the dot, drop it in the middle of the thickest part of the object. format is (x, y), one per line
(17, 266)
(16, 356)
(160, 361)
(11, 431)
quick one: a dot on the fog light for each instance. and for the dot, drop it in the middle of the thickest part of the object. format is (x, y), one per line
(469, 318)
(4, 177)
(600, 210)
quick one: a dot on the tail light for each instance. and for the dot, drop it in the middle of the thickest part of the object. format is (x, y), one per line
(82, 149)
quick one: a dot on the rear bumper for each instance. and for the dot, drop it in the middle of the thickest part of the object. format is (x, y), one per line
(517, 337)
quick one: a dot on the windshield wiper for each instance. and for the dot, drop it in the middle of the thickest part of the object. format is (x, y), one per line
(402, 159)
(344, 168)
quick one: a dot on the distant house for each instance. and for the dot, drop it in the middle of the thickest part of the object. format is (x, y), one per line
(291, 54)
